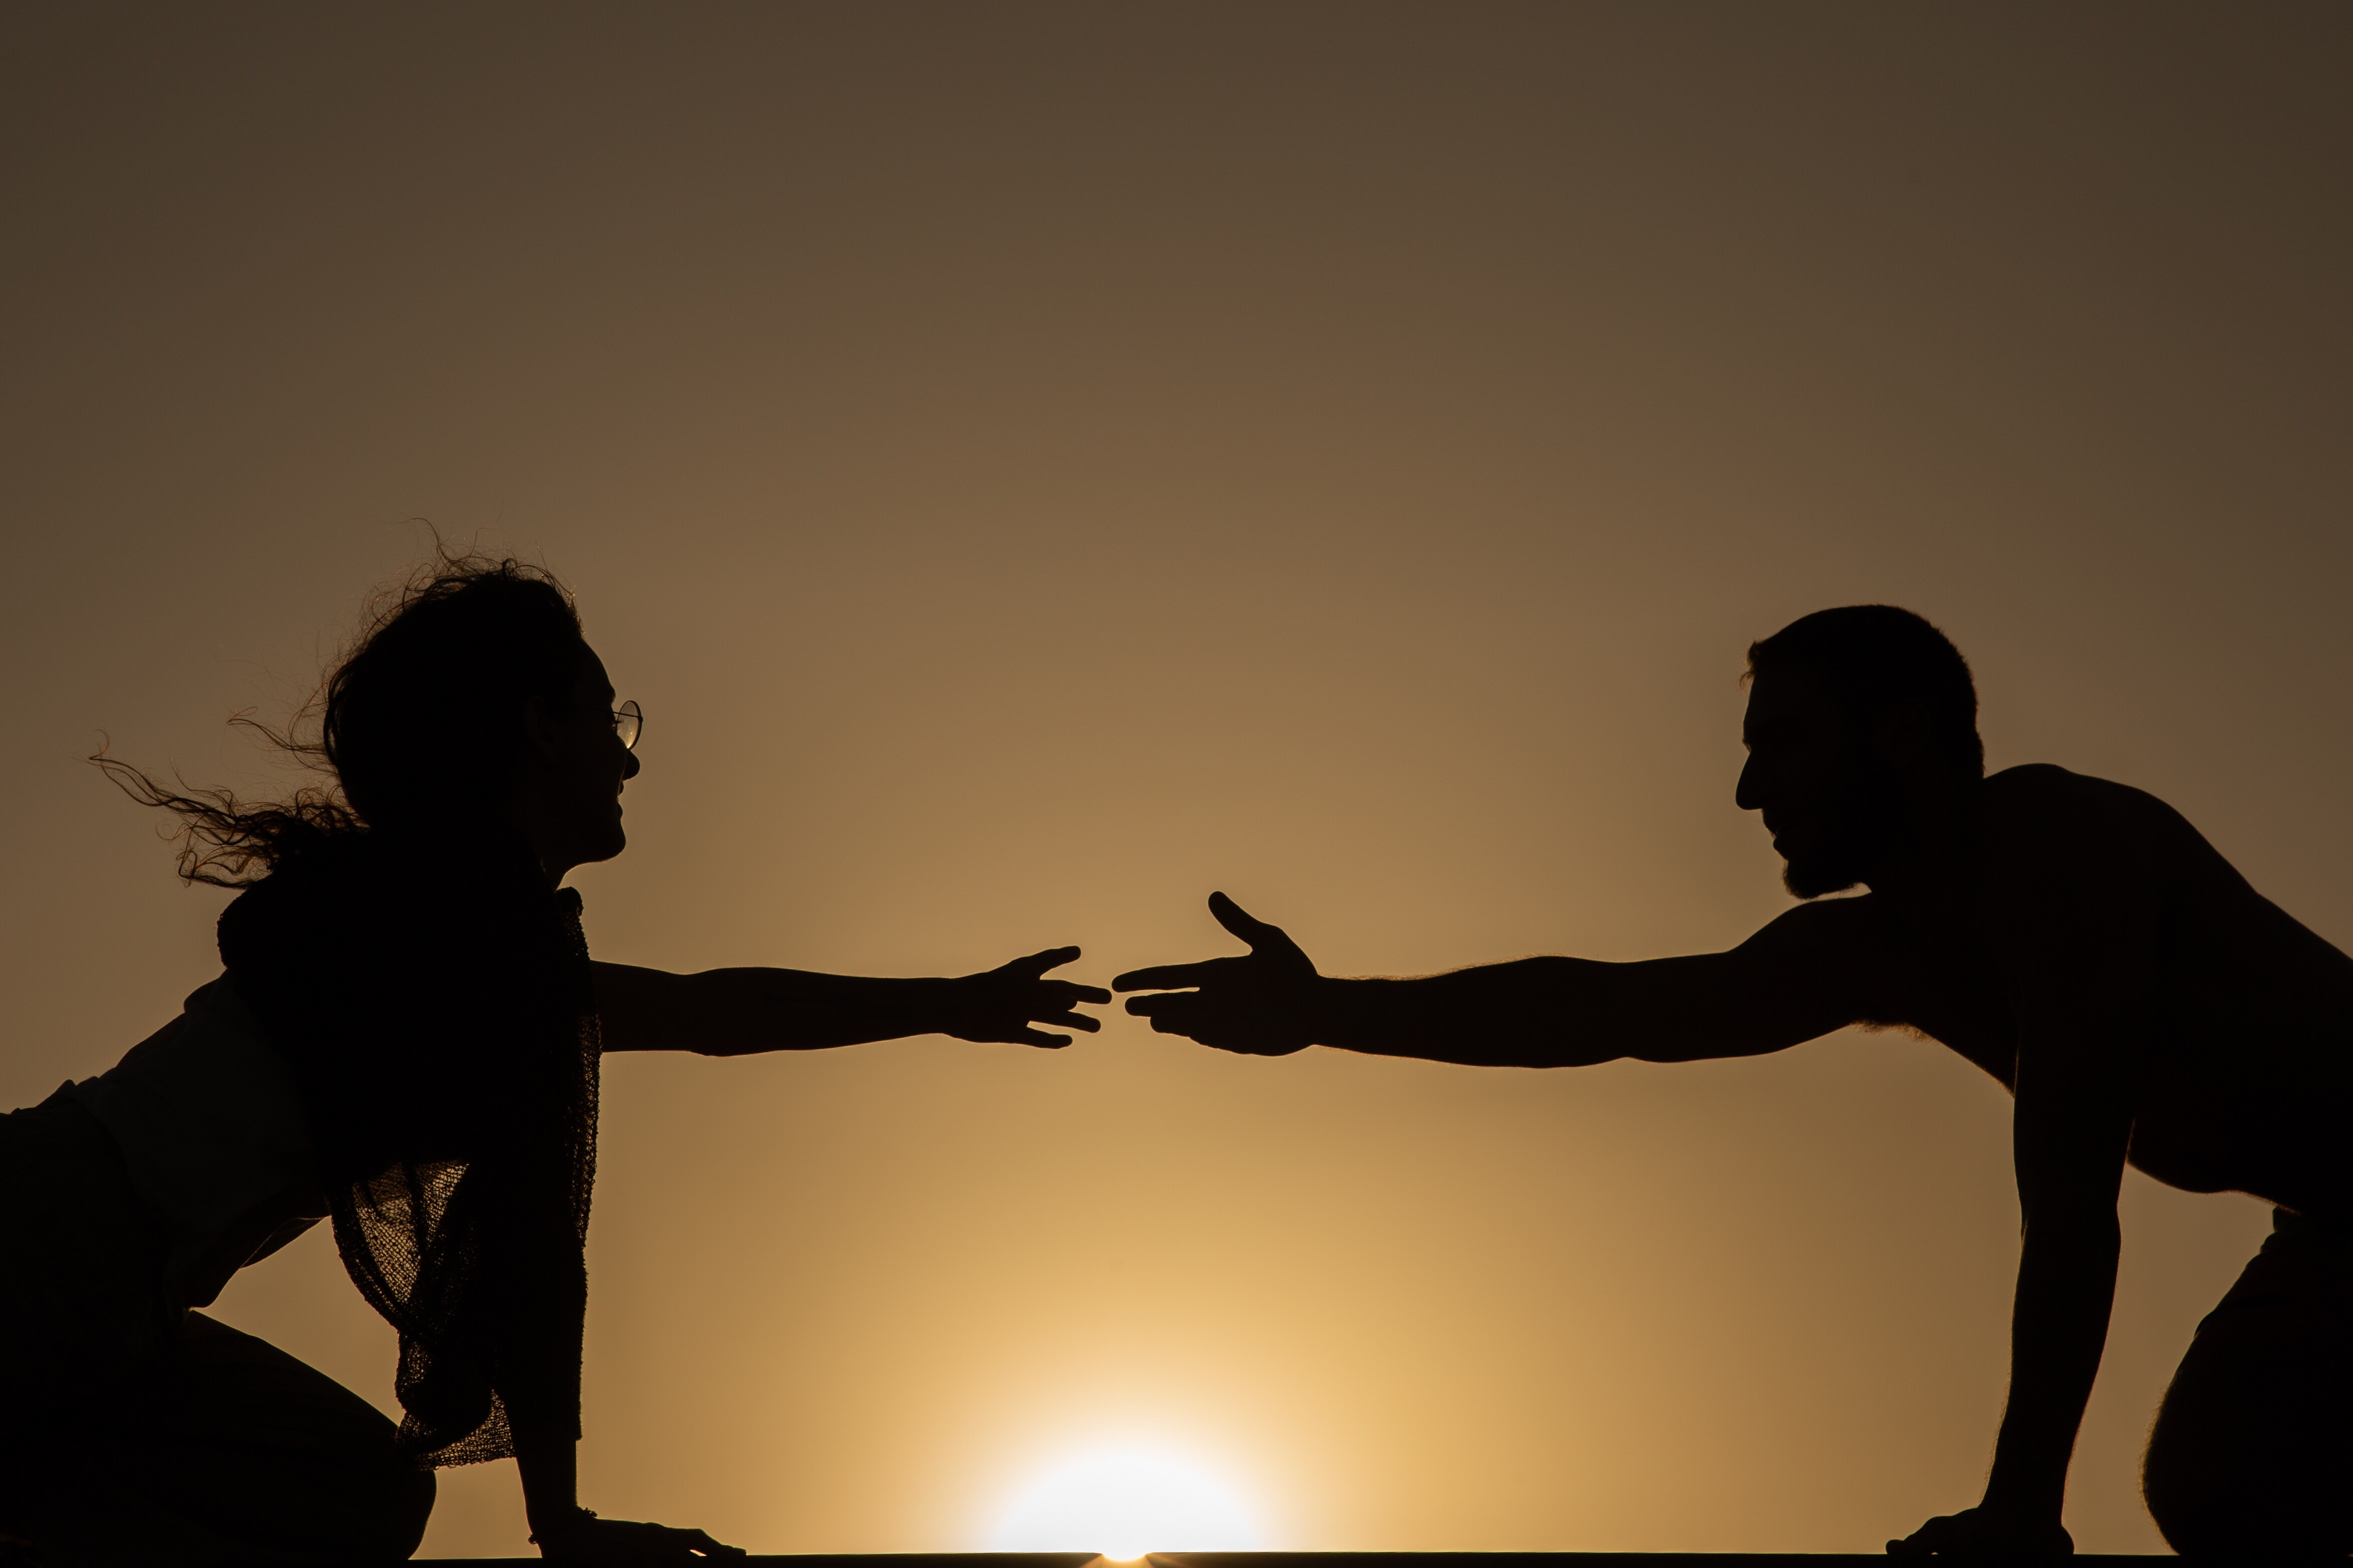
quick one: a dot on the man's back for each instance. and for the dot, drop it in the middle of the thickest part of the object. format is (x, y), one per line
(2247, 1061)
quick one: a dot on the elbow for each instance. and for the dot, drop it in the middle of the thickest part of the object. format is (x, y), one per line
(2085, 1221)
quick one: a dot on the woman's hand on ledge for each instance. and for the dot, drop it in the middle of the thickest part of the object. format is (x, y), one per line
(1002, 1004)
(585, 1538)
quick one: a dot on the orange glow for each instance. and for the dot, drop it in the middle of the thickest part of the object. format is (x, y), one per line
(1125, 1502)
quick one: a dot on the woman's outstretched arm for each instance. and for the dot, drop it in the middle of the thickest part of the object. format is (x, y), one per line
(739, 1011)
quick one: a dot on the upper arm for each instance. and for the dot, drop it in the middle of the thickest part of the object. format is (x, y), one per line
(1812, 970)
(639, 1009)
(2078, 947)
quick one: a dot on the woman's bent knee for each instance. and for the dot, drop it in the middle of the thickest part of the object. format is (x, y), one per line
(407, 1506)
(231, 1451)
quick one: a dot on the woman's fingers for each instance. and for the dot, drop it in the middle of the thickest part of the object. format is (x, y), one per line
(1040, 1038)
(635, 1542)
(1072, 1020)
(1037, 963)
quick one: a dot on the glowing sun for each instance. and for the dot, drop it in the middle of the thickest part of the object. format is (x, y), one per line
(1124, 1504)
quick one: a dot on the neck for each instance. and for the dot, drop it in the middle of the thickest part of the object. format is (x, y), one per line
(1930, 853)
(547, 844)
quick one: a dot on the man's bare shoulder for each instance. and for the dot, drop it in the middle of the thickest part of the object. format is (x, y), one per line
(2096, 855)
(2041, 804)
(1843, 927)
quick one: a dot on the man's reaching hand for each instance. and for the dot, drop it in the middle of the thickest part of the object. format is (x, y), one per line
(1259, 1005)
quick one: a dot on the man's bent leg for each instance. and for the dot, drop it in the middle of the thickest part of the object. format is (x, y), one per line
(230, 1450)
(2253, 1449)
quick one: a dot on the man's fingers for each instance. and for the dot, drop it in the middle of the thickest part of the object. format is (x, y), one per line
(1162, 1003)
(1245, 925)
(1037, 963)
(1074, 1021)
(1925, 1540)
(1174, 1014)
(1172, 976)
(1041, 1040)
(1071, 993)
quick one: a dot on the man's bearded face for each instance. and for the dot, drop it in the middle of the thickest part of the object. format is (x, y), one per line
(1830, 803)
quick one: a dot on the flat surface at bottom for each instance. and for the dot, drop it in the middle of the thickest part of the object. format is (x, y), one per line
(1311, 1559)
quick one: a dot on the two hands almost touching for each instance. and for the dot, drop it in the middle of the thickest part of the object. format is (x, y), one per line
(1262, 1004)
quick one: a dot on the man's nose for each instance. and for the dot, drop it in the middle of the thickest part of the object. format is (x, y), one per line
(630, 767)
(1744, 793)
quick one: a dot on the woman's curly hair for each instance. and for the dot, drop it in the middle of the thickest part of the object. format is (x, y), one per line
(417, 728)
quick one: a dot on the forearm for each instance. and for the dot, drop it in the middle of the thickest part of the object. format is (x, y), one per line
(735, 1011)
(1543, 1012)
(548, 1461)
(1503, 1015)
(2059, 1325)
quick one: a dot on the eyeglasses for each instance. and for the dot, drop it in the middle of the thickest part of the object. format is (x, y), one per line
(628, 723)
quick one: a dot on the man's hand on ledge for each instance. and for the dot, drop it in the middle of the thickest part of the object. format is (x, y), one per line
(1000, 1003)
(1258, 1005)
(1988, 1536)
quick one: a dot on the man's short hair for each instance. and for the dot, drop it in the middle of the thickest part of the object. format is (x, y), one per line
(1873, 655)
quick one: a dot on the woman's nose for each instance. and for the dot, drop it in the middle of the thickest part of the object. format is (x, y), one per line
(630, 767)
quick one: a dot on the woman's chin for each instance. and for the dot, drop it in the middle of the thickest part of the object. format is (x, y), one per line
(606, 846)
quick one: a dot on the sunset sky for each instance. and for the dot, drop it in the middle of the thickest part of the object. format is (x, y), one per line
(1037, 464)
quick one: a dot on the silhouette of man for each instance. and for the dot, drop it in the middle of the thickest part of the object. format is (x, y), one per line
(2076, 938)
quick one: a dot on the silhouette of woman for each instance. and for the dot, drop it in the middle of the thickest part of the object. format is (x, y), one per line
(404, 1042)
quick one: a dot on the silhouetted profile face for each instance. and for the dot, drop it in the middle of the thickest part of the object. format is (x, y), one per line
(1829, 800)
(575, 768)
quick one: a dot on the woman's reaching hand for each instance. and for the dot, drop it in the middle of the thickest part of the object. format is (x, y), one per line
(1002, 1004)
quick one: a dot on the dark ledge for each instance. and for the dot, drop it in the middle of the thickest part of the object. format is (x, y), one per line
(1311, 1559)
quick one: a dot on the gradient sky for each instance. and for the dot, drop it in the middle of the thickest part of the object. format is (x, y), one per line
(1037, 464)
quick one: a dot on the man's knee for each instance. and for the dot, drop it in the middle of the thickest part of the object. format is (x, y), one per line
(2230, 1508)
(2185, 1480)
(2246, 1454)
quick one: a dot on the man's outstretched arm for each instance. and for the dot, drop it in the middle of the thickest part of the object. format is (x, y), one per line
(1803, 975)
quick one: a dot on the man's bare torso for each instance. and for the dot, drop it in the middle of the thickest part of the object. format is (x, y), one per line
(2238, 1019)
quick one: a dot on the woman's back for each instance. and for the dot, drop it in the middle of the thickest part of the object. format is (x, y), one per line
(212, 1138)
